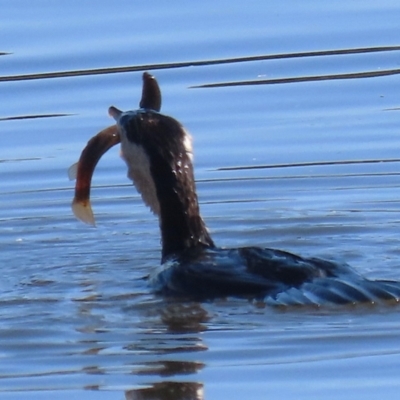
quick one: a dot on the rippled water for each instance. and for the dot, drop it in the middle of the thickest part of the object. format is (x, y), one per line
(297, 147)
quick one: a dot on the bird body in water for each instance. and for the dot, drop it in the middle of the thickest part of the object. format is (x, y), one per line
(158, 153)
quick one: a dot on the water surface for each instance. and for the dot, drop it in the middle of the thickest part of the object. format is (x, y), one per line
(282, 160)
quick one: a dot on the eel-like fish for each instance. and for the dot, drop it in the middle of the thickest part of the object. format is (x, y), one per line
(99, 145)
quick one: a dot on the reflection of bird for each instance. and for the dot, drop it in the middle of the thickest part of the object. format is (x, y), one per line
(168, 391)
(158, 153)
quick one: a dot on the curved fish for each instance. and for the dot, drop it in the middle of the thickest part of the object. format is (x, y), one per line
(100, 144)
(91, 154)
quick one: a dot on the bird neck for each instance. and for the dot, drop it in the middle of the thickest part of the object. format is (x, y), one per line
(158, 153)
(181, 224)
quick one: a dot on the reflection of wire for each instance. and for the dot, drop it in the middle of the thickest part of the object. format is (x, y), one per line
(310, 164)
(298, 79)
(34, 116)
(149, 67)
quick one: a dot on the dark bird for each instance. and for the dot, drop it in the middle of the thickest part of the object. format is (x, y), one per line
(158, 152)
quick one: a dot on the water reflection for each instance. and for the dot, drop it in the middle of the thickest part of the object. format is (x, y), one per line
(298, 79)
(182, 321)
(166, 330)
(184, 317)
(170, 368)
(168, 391)
(33, 116)
(235, 60)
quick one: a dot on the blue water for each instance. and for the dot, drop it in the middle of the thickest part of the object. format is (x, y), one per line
(310, 167)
